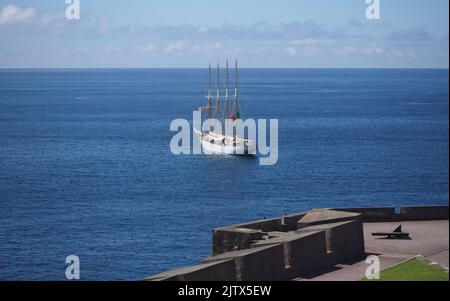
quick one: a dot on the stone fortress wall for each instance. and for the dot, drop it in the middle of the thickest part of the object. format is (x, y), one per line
(293, 245)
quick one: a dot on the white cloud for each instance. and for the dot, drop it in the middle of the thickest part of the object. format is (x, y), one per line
(372, 49)
(205, 47)
(365, 50)
(311, 41)
(148, 48)
(187, 47)
(264, 43)
(52, 23)
(203, 29)
(12, 14)
(411, 35)
(291, 51)
(176, 46)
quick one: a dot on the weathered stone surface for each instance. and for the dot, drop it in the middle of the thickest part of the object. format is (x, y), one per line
(271, 224)
(285, 237)
(214, 271)
(263, 263)
(303, 253)
(232, 239)
(345, 240)
(373, 214)
(324, 216)
(424, 213)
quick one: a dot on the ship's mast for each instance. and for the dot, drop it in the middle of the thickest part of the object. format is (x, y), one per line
(236, 109)
(235, 96)
(227, 102)
(209, 91)
(218, 91)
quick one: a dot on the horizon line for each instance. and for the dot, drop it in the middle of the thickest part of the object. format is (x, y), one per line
(293, 68)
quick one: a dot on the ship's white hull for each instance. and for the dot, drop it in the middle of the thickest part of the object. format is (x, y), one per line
(221, 145)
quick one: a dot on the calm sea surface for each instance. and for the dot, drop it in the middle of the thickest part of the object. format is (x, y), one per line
(86, 169)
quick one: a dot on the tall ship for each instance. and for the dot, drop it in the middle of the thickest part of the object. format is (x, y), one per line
(224, 143)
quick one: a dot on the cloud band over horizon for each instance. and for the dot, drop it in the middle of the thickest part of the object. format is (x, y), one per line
(34, 38)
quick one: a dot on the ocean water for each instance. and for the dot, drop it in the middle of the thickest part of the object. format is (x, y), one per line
(86, 169)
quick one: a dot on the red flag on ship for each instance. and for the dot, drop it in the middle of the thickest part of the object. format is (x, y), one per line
(235, 116)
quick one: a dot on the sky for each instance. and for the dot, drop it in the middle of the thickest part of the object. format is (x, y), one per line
(259, 33)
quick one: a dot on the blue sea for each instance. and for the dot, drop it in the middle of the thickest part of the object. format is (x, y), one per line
(86, 168)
